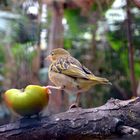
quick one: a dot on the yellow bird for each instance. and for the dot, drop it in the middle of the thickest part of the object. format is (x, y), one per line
(68, 74)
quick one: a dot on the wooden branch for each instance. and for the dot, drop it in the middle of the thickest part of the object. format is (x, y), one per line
(114, 118)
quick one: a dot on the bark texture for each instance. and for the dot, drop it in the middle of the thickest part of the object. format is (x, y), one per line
(113, 119)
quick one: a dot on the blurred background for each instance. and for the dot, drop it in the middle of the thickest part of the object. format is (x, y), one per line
(102, 34)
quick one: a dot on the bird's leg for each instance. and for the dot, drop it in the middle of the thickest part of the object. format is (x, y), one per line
(76, 104)
(78, 98)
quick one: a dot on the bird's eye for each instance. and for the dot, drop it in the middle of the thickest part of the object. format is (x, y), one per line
(52, 53)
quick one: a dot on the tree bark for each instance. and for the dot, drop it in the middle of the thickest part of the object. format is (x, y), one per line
(131, 50)
(56, 28)
(56, 38)
(115, 118)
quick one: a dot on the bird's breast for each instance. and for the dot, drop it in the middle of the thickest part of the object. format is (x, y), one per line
(67, 83)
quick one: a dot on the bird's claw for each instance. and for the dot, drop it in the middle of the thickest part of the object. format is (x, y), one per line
(53, 87)
(49, 92)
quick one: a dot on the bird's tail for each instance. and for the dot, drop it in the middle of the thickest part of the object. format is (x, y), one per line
(100, 80)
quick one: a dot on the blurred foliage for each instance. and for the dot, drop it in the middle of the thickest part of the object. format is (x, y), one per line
(118, 42)
(75, 22)
(25, 30)
(22, 52)
(103, 51)
(111, 61)
(2, 56)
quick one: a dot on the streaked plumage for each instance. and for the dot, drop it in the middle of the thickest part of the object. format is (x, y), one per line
(69, 74)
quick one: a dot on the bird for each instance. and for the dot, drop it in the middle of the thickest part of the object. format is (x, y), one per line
(68, 74)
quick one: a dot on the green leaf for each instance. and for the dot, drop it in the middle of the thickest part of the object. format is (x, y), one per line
(137, 70)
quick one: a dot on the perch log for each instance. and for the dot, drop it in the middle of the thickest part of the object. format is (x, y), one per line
(113, 119)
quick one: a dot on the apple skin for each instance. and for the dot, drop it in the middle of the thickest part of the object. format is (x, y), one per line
(28, 102)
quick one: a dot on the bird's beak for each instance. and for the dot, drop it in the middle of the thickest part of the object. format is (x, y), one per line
(49, 57)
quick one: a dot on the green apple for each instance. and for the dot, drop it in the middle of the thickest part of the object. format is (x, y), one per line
(28, 102)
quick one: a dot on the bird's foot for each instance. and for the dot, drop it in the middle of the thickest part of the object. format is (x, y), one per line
(49, 92)
(74, 105)
(53, 87)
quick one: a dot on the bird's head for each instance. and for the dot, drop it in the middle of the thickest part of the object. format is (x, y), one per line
(57, 53)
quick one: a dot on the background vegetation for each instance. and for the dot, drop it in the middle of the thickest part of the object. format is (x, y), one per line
(30, 29)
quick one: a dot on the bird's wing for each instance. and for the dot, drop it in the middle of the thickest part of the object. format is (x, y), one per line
(71, 67)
